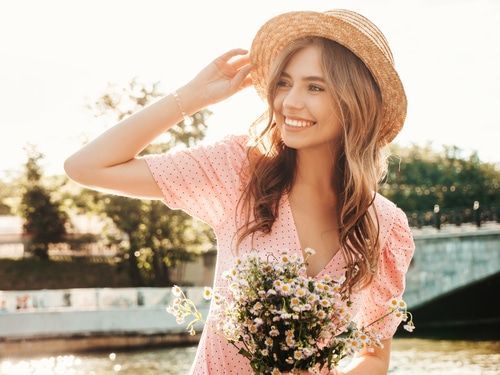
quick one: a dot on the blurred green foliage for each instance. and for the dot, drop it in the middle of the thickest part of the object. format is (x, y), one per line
(419, 178)
(31, 273)
(44, 220)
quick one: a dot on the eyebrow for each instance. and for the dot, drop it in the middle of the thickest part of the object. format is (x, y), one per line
(308, 78)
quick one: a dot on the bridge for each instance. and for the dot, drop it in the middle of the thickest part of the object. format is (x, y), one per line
(451, 289)
(453, 280)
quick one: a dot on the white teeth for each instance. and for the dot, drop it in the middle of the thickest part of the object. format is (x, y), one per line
(299, 124)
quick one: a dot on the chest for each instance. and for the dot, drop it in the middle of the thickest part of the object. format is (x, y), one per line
(317, 228)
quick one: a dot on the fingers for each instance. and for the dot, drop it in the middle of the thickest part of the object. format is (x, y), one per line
(241, 62)
(242, 78)
(236, 64)
(230, 68)
(237, 51)
(246, 82)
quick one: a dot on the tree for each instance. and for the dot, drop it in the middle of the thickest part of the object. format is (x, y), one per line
(6, 192)
(44, 221)
(422, 177)
(156, 238)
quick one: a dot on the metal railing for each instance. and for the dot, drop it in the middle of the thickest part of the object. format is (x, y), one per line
(438, 216)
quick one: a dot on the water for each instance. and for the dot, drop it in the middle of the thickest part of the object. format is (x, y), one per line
(409, 357)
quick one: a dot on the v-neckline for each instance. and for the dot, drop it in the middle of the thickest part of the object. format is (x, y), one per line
(298, 245)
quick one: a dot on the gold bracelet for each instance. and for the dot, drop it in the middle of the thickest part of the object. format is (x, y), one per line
(185, 117)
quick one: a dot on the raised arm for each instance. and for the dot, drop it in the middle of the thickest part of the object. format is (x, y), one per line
(109, 163)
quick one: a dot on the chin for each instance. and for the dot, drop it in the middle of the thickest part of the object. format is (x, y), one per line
(290, 142)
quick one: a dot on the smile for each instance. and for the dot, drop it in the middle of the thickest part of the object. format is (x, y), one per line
(298, 124)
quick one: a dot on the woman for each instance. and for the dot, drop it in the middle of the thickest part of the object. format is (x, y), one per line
(308, 179)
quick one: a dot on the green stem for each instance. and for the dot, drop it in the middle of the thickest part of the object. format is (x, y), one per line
(382, 317)
(411, 316)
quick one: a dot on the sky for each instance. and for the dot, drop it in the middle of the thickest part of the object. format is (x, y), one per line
(58, 56)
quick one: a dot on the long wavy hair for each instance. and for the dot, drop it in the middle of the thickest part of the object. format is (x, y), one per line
(360, 159)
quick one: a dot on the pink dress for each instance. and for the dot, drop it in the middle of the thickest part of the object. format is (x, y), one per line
(204, 182)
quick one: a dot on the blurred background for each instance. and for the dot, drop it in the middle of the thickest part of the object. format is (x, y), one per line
(85, 276)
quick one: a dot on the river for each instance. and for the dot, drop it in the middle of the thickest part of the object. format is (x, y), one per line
(409, 357)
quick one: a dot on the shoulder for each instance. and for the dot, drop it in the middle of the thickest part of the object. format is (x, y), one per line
(222, 154)
(390, 217)
(384, 206)
(239, 140)
(232, 145)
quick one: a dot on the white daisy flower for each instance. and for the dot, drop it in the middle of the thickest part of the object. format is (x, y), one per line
(309, 251)
(297, 354)
(207, 293)
(307, 307)
(394, 303)
(409, 327)
(258, 321)
(274, 332)
(286, 289)
(325, 303)
(176, 291)
(301, 292)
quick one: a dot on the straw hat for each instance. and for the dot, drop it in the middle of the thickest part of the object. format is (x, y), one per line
(347, 28)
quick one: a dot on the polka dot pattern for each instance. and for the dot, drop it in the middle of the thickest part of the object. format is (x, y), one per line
(204, 182)
(389, 281)
(200, 180)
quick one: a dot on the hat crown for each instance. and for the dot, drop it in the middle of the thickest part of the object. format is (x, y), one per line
(367, 27)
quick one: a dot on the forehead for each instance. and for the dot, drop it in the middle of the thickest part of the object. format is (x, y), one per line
(305, 62)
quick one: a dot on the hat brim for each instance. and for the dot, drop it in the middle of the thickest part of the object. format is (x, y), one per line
(346, 30)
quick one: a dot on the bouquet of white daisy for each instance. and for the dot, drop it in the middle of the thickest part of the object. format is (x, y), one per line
(282, 321)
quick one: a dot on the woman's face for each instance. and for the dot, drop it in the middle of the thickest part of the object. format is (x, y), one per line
(302, 94)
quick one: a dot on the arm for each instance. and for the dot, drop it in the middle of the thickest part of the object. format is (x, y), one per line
(366, 363)
(109, 163)
(130, 136)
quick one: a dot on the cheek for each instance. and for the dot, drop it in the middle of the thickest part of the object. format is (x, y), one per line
(277, 102)
(329, 114)
(332, 124)
(277, 109)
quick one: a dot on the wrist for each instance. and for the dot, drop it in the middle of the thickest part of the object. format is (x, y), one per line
(190, 99)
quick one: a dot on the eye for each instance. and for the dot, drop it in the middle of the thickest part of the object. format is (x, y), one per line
(316, 88)
(313, 88)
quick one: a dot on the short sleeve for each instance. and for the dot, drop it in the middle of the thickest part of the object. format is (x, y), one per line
(201, 180)
(389, 282)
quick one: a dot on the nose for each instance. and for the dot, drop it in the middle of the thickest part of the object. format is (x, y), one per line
(293, 99)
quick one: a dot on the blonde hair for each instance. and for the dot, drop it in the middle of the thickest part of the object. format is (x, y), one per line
(360, 160)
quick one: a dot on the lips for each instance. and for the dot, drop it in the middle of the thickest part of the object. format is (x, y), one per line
(298, 119)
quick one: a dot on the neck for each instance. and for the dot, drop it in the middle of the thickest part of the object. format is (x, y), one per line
(313, 176)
